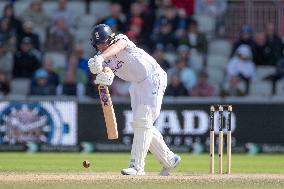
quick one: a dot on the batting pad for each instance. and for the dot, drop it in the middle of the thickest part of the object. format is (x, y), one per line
(160, 150)
(142, 128)
(140, 147)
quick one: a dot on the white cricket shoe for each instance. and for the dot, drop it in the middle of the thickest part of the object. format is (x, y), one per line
(166, 171)
(132, 171)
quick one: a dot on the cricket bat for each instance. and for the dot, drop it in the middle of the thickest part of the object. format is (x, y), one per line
(109, 115)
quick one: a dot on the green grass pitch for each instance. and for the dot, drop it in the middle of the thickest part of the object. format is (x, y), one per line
(65, 170)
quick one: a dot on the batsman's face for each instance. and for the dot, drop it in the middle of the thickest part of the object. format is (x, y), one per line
(102, 47)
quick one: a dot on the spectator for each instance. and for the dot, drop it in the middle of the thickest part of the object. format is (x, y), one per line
(159, 55)
(6, 60)
(59, 37)
(35, 14)
(169, 14)
(242, 65)
(80, 75)
(117, 16)
(136, 10)
(215, 9)
(53, 78)
(63, 12)
(73, 80)
(202, 88)
(195, 39)
(69, 86)
(42, 86)
(232, 87)
(245, 38)
(8, 35)
(26, 62)
(148, 17)
(112, 23)
(15, 24)
(165, 35)
(183, 52)
(187, 5)
(168, 18)
(186, 74)
(277, 75)
(82, 62)
(132, 35)
(28, 32)
(274, 42)
(182, 21)
(91, 88)
(263, 52)
(4, 84)
(176, 87)
(161, 5)
(177, 18)
(135, 29)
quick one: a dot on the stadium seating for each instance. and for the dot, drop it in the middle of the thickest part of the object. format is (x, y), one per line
(217, 61)
(217, 88)
(100, 9)
(197, 61)
(87, 21)
(262, 88)
(20, 86)
(21, 6)
(206, 24)
(263, 71)
(49, 7)
(220, 47)
(280, 88)
(2, 5)
(216, 75)
(59, 59)
(89, 51)
(171, 57)
(77, 6)
(83, 34)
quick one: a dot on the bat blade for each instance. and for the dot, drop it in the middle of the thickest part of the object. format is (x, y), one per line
(109, 115)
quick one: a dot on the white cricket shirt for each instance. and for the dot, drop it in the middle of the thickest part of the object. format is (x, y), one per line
(132, 63)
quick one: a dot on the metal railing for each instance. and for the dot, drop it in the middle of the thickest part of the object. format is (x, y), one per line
(256, 13)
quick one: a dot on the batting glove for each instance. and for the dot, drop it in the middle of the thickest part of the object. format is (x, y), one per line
(96, 64)
(105, 78)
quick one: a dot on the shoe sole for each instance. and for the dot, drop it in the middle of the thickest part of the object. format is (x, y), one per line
(124, 173)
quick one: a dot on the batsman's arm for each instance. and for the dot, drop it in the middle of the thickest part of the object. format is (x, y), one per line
(114, 49)
(96, 64)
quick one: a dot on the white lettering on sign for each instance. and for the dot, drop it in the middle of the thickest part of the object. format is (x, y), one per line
(195, 122)
(168, 119)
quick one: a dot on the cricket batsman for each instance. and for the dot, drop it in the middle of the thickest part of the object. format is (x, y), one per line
(148, 84)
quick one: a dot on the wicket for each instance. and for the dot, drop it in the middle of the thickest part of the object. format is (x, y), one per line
(220, 141)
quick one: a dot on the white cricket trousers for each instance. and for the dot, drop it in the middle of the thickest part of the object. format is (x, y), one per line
(149, 92)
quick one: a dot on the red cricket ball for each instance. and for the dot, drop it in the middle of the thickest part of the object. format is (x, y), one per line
(86, 163)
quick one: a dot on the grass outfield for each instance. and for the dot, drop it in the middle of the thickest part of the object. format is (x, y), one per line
(65, 170)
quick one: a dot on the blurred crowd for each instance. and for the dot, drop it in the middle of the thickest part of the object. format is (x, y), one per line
(46, 53)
